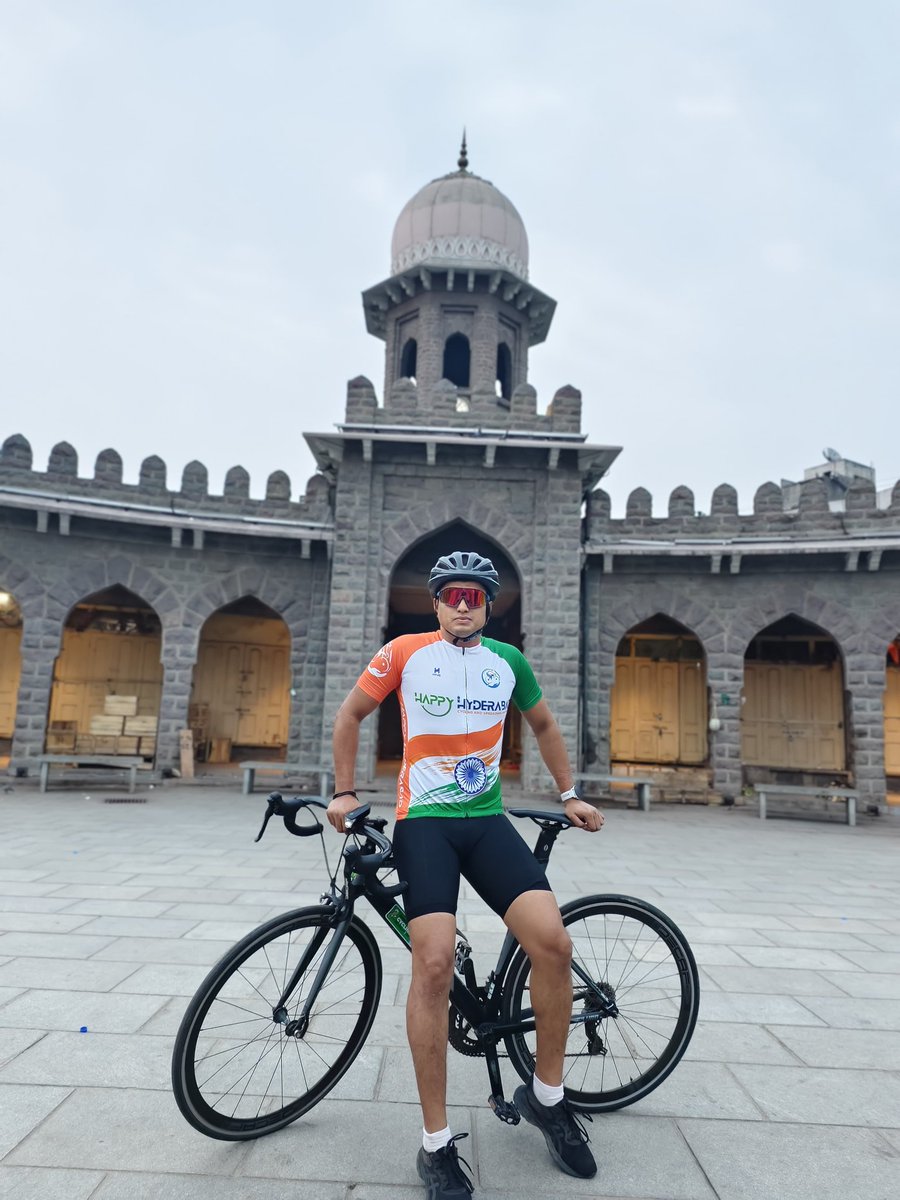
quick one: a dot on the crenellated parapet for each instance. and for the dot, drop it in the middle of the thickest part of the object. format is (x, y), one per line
(447, 406)
(814, 515)
(190, 498)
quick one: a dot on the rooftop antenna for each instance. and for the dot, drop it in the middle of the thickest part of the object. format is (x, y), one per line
(831, 454)
(463, 161)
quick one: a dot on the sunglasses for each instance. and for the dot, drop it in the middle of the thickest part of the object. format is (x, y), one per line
(451, 596)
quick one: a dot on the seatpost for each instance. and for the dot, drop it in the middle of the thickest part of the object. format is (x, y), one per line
(548, 835)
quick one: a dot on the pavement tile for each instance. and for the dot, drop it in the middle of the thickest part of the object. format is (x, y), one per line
(760, 1009)
(31, 890)
(16, 875)
(699, 1089)
(882, 941)
(467, 1079)
(160, 979)
(699, 935)
(812, 1096)
(765, 1161)
(22, 1108)
(192, 1187)
(31, 904)
(102, 891)
(101, 1060)
(101, 1012)
(14, 1041)
(137, 927)
(515, 1160)
(60, 922)
(865, 984)
(813, 939)
(782, 981)
(185, 894)
(875, 1049)
(736, 920)
(856, 1014)
(42, 1183)
(147, 948)
(80, 974)
(49, 945)
(119, 908)
(248, 916)
(8, 993)
(795, 957)
(95, 1129)
(875, 960)
(721, 1041)
(228, 932)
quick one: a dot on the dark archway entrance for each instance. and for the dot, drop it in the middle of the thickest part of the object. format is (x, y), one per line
(410, 611)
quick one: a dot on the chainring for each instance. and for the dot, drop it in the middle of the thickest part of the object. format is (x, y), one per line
(462, 1036)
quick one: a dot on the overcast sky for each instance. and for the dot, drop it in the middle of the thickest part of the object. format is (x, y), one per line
(194, 193)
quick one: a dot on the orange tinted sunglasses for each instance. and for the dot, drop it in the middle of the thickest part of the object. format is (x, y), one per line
(451, 596)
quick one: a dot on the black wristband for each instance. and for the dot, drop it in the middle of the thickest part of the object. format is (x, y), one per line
(349, 792)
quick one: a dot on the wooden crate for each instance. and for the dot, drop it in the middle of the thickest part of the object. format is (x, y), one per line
(220, 751)
(84, 744)
(127, 745)
(120, 706)
(106, 725)
(105, 744)
(61, 735)
(141, 726)
(147, 747)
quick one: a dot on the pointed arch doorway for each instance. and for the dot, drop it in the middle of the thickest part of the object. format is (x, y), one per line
(410, 611)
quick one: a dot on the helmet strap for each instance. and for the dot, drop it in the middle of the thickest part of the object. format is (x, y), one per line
(456, 641)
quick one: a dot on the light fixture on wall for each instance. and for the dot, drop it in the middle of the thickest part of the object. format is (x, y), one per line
(5, 600)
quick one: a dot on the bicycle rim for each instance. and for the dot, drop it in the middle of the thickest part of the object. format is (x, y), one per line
(634, 955)
(237, 1071)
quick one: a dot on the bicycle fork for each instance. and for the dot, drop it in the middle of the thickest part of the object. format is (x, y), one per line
(296, 1027)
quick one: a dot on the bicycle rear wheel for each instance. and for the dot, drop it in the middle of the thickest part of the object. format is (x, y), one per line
(633, 955)
(239, 1070)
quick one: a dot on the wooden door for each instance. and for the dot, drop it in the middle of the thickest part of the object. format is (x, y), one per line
(95, 664)
(892, 722)
(10, 670)
(658, 712)
(793, 717)
(245, 683)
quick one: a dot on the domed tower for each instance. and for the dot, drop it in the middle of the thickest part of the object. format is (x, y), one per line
(458, 305)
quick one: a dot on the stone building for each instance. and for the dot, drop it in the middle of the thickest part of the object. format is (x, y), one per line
(712, 650)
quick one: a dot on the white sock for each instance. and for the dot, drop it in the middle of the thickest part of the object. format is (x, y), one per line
(436, 1141)
(546, 1095)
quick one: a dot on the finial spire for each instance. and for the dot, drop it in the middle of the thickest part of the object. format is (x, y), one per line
(463, 161)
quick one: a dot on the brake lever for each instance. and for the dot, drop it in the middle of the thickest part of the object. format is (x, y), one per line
(270, 812)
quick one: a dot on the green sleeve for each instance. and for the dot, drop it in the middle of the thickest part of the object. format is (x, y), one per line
(527, 691)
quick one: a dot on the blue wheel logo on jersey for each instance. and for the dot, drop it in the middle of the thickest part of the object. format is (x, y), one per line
(471, 775)
(490, 677)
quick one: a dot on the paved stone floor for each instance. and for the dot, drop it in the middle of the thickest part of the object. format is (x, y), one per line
(110, 914)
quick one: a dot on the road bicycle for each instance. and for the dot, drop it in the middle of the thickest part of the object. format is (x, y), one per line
(278, 1021)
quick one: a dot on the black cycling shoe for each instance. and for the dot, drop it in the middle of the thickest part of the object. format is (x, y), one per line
(566, 1137)
(441, 1173)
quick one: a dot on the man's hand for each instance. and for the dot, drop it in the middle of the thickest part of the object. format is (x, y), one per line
(582, 814)
(338, 809)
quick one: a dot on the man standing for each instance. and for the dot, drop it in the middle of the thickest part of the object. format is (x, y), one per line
(455, 688)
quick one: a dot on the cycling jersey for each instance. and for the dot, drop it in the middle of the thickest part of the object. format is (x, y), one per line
(453, 705)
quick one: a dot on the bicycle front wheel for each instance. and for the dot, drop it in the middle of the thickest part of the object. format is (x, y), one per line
(627, 952)
(241, 1067)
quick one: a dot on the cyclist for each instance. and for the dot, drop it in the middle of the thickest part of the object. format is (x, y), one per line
(455, 687)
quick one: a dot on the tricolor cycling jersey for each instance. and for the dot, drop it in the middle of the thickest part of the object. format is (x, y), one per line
(453, 705)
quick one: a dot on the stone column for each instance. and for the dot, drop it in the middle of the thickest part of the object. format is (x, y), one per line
(179, 654)
(39, 648)
(725, 679)
(865, 683)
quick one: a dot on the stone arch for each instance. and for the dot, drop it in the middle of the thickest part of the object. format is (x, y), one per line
(409, 359)
(659, 698)
(793, 713)
(457, 360)
(107, 682)
(504, 372)
(240, 697)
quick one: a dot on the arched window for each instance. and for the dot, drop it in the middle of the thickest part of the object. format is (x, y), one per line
(457, 359)
(504, 373)
(408, 359)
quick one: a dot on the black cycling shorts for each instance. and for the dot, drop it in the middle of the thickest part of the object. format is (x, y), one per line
(433, 852)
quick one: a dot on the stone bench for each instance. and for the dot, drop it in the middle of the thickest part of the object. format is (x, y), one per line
(848, 795)
(279, 768)
(120, 762)
(641, 786)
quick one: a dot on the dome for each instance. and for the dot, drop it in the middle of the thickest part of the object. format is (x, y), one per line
(461, 221)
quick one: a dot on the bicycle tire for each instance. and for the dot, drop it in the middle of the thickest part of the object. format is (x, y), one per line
(636, 954)
(236, 1072)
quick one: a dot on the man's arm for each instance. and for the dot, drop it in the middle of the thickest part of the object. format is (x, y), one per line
(345, 743)
(556, 758)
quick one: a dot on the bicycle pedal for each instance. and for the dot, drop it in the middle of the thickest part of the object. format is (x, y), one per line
(505, 1110)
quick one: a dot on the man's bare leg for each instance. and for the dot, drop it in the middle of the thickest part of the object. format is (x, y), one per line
(433, 938)
(534, 920)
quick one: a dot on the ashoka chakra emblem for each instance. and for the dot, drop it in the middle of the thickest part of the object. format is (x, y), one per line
(471, 775)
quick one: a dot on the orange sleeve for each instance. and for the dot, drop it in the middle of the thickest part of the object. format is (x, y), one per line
(382, 675)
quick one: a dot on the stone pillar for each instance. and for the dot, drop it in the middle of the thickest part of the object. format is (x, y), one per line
(39, 648)
(725, 679)
(179, 653)
(865, 683)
